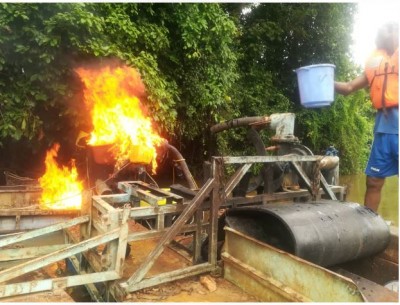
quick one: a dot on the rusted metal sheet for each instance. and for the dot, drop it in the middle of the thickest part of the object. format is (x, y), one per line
(31, 234)
(274, 275)
(19, 196)
(24, 223)
(370, 290)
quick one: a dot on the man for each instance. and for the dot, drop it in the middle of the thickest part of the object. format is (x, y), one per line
(381, 74)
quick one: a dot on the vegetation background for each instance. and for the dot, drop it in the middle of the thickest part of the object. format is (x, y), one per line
(202, 63)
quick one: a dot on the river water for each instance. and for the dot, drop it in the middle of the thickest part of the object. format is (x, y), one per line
(389, 206)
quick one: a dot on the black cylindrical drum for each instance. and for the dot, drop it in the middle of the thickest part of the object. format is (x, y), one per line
(324, 232)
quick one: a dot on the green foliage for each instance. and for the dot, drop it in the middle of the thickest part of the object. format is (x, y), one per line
(276, 39)
(183, 52)
(202, 63)
(346, 125)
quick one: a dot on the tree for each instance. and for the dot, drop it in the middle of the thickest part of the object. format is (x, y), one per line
(182, 51)
(276, 39)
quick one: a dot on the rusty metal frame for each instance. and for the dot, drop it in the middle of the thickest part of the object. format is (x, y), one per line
(116, 236)
(106, 218)
(273, 275)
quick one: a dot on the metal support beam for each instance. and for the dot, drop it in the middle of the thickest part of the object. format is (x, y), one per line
(29, 252)
(268, 159)
(171, 233)
(235, 179)
(59, 283)
(45, 260)
(28, 235)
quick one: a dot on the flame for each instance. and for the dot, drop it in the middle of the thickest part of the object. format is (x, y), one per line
(61, 188)
(113, 96)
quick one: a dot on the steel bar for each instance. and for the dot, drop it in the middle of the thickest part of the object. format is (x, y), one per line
(171, 233)
(93, 258)
(148, 197)
(197, 241)
(37, 212)
(145, 212)
(239, 122)
(58, 283)
(28, 235)
(103, 206)
(29, 252)
(327, 188)
(122, 242)
(90, 287)
(45, 260)
(236, 177)
(267, 159)
(157, 191)
(136, 236)
(214, 207)
(304, 178)
(168, 277)
(18, 223)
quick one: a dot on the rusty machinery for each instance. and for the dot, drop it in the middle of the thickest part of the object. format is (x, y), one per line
(96, 241)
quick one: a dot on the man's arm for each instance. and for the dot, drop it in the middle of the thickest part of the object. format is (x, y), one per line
(351, 86)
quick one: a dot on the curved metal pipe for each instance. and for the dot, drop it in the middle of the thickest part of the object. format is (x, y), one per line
(182, 162)
(239, 122)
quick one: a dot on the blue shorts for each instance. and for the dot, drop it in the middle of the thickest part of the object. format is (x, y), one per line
(384, 157)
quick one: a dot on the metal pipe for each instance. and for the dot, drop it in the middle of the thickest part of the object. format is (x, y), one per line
(102, 188)
(329, 162)
(239, 122)
(182, 162)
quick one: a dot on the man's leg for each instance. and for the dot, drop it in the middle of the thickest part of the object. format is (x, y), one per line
(373, 193)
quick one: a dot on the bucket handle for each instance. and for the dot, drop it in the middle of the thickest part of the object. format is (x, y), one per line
(303, 68)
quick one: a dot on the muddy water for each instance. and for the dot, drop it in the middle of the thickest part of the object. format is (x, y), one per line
(389, 206)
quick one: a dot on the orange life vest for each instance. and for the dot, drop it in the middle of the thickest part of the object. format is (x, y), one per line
(382, 72)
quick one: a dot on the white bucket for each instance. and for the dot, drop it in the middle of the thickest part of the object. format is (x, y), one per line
(316, 85)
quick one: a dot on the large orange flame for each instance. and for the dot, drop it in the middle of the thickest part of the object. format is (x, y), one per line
(113, 96)
(61, 188)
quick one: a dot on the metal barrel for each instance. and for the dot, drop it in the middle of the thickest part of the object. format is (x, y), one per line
(324, 232)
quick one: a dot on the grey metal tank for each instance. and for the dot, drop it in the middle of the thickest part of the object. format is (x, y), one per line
(324, 232)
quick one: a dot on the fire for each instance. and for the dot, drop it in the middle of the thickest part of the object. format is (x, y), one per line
(113, 96)
(61, 188)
